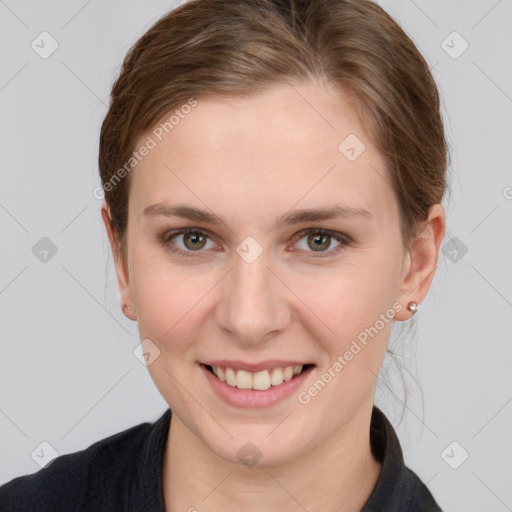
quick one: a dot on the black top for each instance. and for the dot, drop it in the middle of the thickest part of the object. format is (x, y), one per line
(123, 472)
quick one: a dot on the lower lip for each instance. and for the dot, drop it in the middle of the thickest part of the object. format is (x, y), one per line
(251, 398)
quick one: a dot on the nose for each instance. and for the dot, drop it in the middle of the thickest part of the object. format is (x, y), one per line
(254, 306)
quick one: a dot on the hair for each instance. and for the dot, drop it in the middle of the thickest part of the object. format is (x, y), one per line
(242, 47)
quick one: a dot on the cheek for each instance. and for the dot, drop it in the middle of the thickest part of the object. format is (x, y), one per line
(168, 304)
(353, 347)
(167, 299)
(354, 305)
(167, 309)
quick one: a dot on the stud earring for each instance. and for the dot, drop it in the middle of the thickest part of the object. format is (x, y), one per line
(412, 307)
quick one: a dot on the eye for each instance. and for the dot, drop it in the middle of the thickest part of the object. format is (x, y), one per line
(194, 240)
(319, 239)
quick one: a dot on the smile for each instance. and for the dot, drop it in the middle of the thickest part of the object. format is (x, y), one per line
(265, 386)
(258, 381)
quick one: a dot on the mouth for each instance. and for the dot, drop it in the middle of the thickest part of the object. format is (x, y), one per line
(259, 380)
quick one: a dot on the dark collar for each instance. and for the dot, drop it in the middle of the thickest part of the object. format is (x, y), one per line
(386, 449)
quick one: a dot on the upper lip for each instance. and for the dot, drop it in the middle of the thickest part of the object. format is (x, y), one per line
(254, 367)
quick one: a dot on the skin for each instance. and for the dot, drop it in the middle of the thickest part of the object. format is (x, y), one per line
(251, 160)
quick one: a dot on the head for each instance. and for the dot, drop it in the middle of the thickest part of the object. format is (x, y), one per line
(251, 110)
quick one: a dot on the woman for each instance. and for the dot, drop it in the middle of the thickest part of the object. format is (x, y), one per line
(273, 175)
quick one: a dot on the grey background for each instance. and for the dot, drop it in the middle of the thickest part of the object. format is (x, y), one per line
(68, 375)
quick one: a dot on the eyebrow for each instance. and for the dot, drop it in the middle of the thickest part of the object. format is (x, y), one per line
(290, 218)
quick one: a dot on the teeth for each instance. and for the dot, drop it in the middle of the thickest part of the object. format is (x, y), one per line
(230, 377)
(260, 381)
(243, 380)
(288, 373)
(276, 377)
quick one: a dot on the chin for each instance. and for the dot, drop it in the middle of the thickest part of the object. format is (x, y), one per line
(256, 448)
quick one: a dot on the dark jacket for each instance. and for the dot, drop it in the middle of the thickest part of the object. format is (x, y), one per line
(123, 472)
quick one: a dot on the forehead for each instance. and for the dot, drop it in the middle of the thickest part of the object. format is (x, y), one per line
(290, 143)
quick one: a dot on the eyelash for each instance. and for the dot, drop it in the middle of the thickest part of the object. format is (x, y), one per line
(343, 239)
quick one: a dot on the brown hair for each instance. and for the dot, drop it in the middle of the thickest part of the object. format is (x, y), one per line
(236, 47)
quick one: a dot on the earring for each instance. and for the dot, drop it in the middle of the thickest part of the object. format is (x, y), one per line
(412, 307)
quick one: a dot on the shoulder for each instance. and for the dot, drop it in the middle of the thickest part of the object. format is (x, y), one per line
(66, 482)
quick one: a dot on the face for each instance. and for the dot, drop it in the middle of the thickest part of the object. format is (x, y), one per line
(250, 292)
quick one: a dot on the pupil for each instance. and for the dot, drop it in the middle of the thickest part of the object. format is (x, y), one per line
(320, 240)
(194, 238)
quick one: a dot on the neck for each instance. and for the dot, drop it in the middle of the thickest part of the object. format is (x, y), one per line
(337, 475)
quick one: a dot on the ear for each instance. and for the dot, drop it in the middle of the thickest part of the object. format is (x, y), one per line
(121, 272)
(421, 262)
